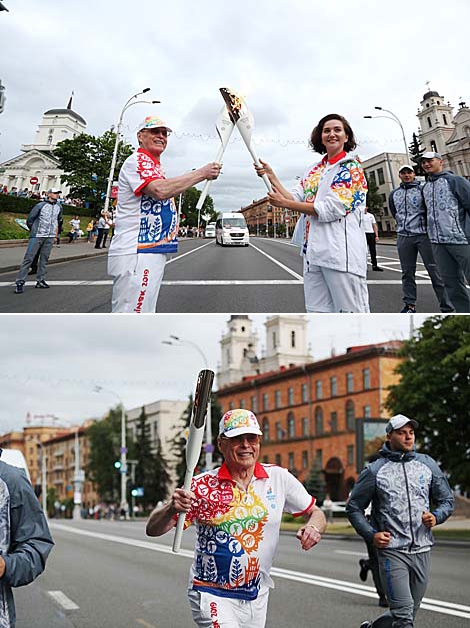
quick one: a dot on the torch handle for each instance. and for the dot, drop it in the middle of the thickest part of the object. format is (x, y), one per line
(218, 157)
(245, 132)
(182, 515)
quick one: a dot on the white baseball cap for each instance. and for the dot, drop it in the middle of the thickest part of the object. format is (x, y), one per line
(398, 421)
(431, 155)
(239, 421)
(153, 122)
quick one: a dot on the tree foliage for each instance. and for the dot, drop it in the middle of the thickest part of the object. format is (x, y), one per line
(434, 389)
(189, 201)
(315, 483)
(416, 150)
(86, 161)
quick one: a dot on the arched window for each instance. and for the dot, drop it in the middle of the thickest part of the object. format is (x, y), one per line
(433, 146)
(429, 122)
(318, 421)
(292, 339)
(291, 425)
(444, 118)
(350, 422)
(305, 426)
(266, 437)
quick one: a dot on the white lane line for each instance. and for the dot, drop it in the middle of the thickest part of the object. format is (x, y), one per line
(64, 601)
(174, 259)
(286, 268)
(350, 553)
(437, 606)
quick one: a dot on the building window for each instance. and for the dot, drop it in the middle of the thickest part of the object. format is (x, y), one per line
(266, 436)
(366, 379)
(350, 454)
(291, 466)
(319, 458)
(349, 382)
(304, 426)
(433, 146)
(318, 389)
(274, 340)
(278, 459)
(291, 425)
(292, 339)
(277, 399)
(290, 396)
(367, 413)
(318, 421)
(265, 459)
(242, 403)
(254, 404)
(444, 118)
(265, 402)
(380, 176)
(305, 460)
(334, 422)
(334, 386)
(350, 422)
(371, 176)
(280, 433)
(231, 405)
(304, 393)
(429, 122)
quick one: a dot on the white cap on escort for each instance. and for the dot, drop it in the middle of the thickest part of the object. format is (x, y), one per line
(55, 191)
(431, 155)
(398, 421)
(406, 167)
(239, 421)
(152, 122)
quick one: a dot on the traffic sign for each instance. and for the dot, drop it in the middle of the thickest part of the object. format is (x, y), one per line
(34, 180)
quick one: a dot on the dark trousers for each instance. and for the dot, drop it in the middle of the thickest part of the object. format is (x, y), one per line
(453, 261)
(370, 237)
(101, 239)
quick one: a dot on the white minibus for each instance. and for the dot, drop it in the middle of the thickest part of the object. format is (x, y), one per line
(231, 229)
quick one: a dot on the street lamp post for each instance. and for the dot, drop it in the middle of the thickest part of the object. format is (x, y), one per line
(123, 458)
(208, 447)
(397, 120)
(116, 143)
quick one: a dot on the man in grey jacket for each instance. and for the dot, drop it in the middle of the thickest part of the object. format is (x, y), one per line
(409, 495)
(447, 198)
(43, 222)
(25, 540)
(407, 207)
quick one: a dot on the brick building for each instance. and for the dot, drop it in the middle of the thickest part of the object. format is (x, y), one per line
(308, 413)
(263, 218)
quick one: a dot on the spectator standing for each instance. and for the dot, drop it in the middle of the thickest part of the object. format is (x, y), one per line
(372, 237)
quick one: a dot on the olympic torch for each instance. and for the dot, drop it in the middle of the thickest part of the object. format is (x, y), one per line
(242, 117)
(224, 127)
(194, 443)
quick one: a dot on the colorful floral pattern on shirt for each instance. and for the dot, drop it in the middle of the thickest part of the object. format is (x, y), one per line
(350, 185)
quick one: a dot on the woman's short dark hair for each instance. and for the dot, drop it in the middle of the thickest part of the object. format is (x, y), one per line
(315, 138)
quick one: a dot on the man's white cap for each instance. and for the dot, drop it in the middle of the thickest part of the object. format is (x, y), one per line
(431, 155)
(239, 421)
(398, 421)
(406, 167)
(153, 122)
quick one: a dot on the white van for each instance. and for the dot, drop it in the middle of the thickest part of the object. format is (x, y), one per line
(210, 230)
(231, 229)
(15, 458)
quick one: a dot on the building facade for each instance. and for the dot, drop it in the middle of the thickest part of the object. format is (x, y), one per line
(265, 219)
(308, 413)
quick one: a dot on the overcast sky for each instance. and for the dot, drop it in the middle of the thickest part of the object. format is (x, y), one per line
(51, 363)
(294, 61)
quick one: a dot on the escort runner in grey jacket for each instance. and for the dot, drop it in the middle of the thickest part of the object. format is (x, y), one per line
(44, 219)
(25, 540)
(447, 198)
(400, 486)
(407, 207)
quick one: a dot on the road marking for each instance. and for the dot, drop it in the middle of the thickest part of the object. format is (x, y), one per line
(174, 259)
(349, 553)
(437, 606)
(144, 623)
(286, 268)
(63, 600)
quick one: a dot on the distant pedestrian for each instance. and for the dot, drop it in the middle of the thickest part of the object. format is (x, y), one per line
(327, 508)
(103, 229)
(409, 495)
(44, 221)
(407, 207)
(447, 199)
(372, 237)
(146, 223)
(89, 232)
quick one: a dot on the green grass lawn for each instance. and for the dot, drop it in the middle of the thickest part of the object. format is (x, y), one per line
(10, 230)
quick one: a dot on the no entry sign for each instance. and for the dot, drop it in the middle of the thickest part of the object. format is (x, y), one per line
(34, 180)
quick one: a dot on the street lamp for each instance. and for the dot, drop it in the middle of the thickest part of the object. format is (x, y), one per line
(123, 470)
(397, 120)
(116, 143)
(208, 447)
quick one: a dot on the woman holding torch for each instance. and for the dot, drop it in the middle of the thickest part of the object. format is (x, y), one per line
(332, 196)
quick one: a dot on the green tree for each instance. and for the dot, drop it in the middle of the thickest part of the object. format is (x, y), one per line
(434, 389)
(374, 199)
(188, 207)
(315, 483)
(105, 441)
(86, 161)
(416, 150)
(151, 471)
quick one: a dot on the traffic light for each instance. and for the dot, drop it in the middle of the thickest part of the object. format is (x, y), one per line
(117, 464)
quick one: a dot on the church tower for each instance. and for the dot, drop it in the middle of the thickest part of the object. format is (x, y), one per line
(238, 351)
(436, 122)
(286, 342)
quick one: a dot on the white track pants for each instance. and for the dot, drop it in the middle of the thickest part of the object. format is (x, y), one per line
(212, 611)
(328, 290)
(136, 281)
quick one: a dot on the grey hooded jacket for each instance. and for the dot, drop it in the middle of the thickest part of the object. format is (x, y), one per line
(407, 207)
(401, 486)
(447, 198)
(25, 540)
(45, 219)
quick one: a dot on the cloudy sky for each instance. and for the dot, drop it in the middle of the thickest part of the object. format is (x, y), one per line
(51, 363)
(294, 61)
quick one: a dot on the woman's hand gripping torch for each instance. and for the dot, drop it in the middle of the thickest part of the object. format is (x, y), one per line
(195, 438)
(224, 127)
(244, 120)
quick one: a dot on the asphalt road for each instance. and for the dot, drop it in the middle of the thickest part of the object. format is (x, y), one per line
(206, 278)
(112, 576)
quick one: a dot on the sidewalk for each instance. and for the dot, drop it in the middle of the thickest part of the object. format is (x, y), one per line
(12, 253)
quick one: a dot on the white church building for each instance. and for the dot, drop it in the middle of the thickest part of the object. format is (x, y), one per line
(36, 168)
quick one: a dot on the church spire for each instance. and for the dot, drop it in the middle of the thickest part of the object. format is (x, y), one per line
(69, 106)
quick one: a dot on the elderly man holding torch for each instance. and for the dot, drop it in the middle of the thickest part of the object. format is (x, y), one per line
(146, 223)
(237, 509)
